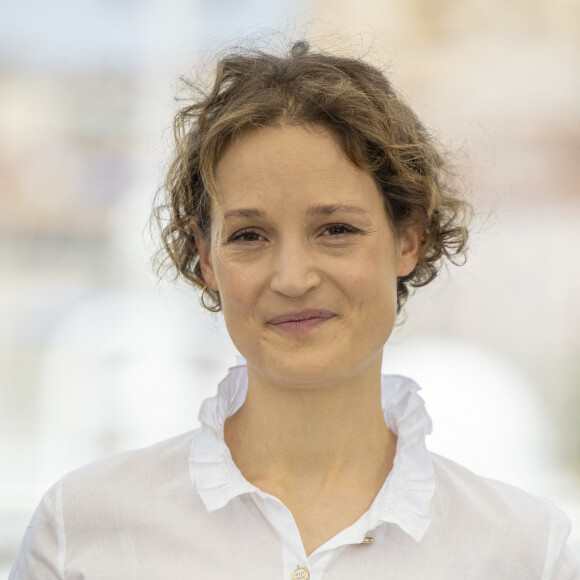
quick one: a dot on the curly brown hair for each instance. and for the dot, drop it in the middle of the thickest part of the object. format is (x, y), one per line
(376, 129)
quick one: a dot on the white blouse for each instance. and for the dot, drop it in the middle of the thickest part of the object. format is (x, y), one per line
(182, 510)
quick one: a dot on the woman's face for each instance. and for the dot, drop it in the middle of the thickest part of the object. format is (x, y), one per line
(304, 257)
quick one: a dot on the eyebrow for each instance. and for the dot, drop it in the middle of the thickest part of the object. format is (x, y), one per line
(329, 209)
(320, 209)
(248, 212)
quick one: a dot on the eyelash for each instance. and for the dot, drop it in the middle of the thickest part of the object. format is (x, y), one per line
(240, 236)
(345, 229)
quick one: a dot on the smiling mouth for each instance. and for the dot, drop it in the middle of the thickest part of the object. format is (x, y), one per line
(301, 321)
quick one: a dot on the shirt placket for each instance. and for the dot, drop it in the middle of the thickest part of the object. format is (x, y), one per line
(296, 565)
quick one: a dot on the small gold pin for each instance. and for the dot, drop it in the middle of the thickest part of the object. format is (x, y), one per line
(301, 573)
(368, 540)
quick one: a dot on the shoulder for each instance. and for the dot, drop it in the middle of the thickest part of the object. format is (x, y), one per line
(491, 518)
(131, 463)
(468, 491)
(89, 510)
(128, 479)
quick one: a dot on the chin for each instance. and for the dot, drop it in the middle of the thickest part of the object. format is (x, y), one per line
(314, 369)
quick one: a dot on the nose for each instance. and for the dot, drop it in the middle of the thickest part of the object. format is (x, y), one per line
(294, 269)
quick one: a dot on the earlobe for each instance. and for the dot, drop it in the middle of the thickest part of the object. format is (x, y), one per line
(203, 246)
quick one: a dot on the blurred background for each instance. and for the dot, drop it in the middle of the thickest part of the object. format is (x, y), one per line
(98, 356)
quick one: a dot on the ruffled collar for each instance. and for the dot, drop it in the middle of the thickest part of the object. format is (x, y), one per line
(406, 494)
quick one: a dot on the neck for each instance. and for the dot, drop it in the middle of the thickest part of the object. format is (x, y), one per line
(333, 434)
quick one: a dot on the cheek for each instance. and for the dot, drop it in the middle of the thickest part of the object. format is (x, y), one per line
(238, 286)
(372, 280)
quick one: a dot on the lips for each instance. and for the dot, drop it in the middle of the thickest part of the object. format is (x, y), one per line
(301, 316)
(301, 320)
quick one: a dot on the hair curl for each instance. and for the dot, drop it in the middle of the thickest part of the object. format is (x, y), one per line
(376, 129)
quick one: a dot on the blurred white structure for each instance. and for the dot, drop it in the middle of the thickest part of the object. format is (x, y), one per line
(486, 416)
(124, 370)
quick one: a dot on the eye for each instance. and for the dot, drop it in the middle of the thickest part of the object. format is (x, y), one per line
(246, 235)
(338, 229)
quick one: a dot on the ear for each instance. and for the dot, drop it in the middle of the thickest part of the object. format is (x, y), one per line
(410, 240)
(203, 246)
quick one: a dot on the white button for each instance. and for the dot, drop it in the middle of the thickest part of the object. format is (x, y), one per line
(300, 573)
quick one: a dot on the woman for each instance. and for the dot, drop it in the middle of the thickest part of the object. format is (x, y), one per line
(304, 199)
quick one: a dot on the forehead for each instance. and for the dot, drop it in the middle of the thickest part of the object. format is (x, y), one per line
(298, 163)
(280, 140)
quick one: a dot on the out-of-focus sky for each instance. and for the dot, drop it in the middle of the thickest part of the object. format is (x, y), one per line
(97, 356)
